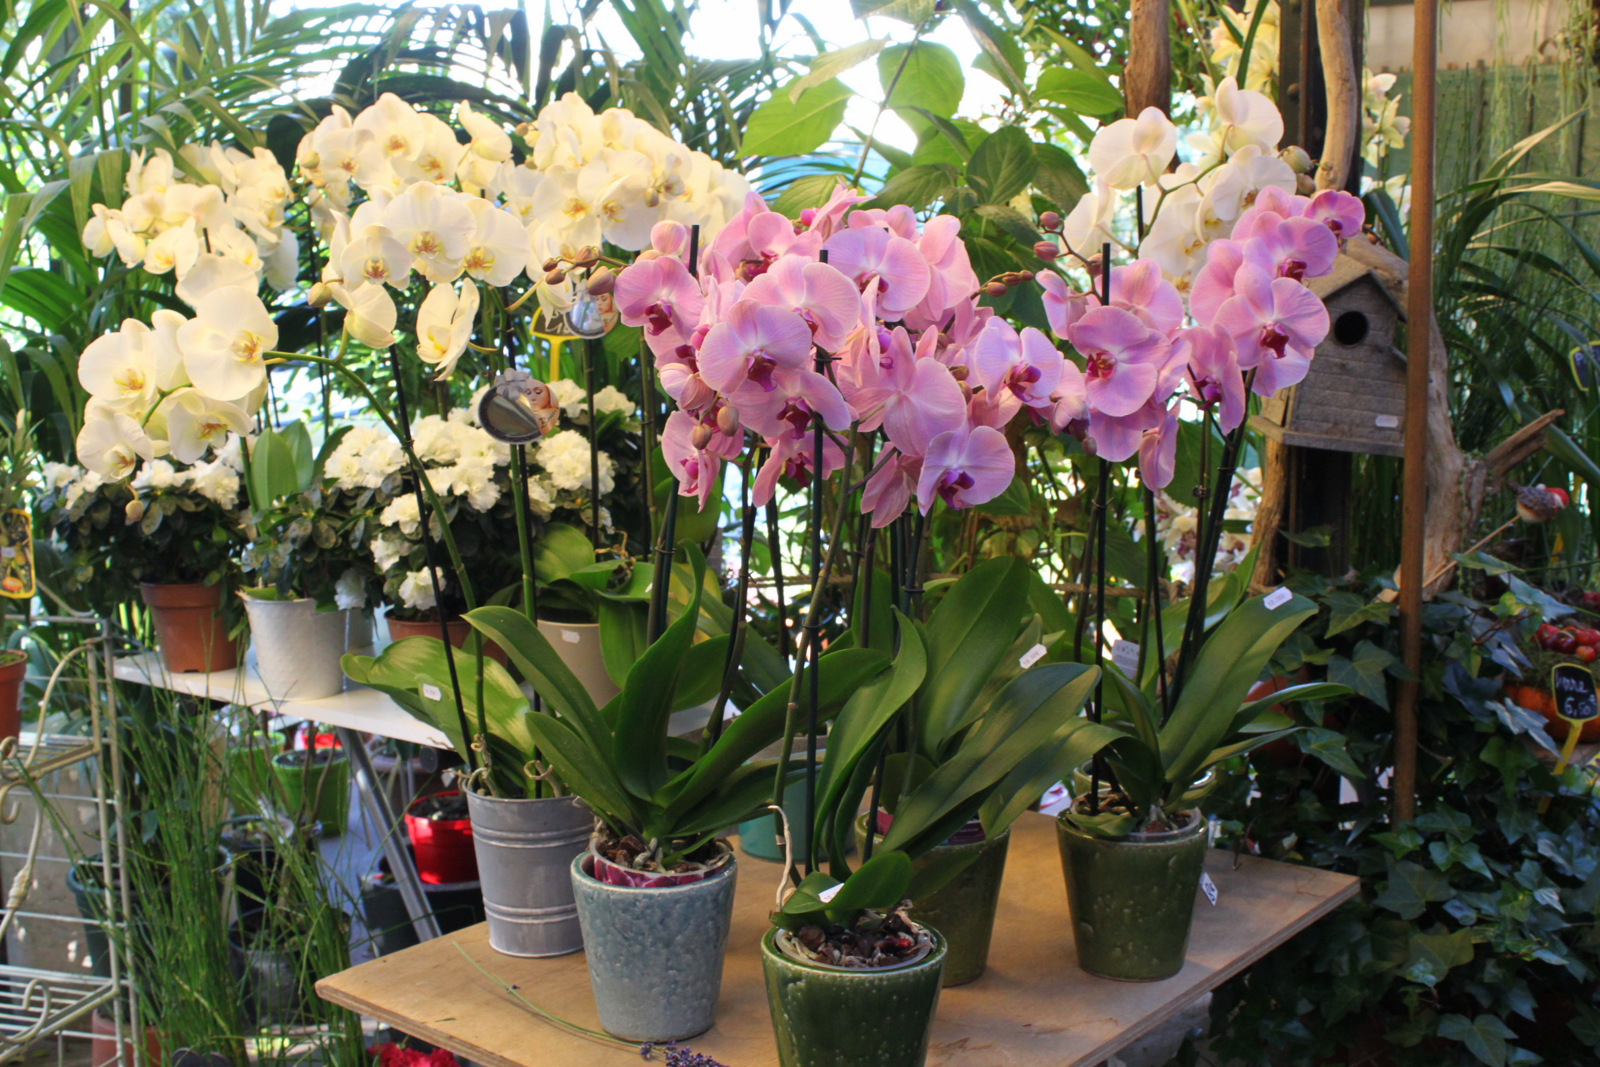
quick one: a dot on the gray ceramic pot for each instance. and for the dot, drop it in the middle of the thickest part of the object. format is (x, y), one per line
(655, 955)
(525, 850)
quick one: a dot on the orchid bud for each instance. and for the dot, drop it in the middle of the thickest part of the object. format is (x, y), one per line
(1046, 250)
(602, 281)
(134, 511)
(728, 420)
(551, 264)
(586, 255)
(994, 288)
(701, 435)
(1305, 185)
(959, 372)
(555, 277)
(319, 294)
(1298, 158)
(1024, 277)
(1050, 222)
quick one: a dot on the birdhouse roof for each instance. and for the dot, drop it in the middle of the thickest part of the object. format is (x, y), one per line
(1347, 272)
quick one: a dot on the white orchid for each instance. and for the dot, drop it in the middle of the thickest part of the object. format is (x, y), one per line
(498, 249)
(1246, 117)
(370, 314)
(1133, 152)
(112, 443)
(197, 423)
(1089, 224)
(435, 226)
(175, 250)
(445, 322)
(225, 345)
(119, 369)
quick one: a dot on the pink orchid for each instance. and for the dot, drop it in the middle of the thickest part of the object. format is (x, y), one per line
(662, 296)
(1211, 367)
(1123, 359)
(1158, 451)
(760, 358)
(817, 292)
(695, 468)
(1071, 396)
(889, 490)
(911, 395)
(1292, 248)
(965, 467)
(1063, 305)
(790, 459)
(1339, 211)
(669, 238)
(1139, 287)
(680, 378)
(1272, 205)
(825, 221)
(891, 264)
(951, 279)
(1116, 438)
(1018, 371)
(1213, 285)
(899, 220)
(1275, 324)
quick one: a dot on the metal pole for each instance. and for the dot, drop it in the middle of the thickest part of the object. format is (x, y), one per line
(1419, 339)
(375, 799)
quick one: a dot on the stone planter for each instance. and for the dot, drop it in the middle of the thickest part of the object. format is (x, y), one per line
(962, 909)
(839, 1017)
(297, 647)
(1132, 899)
(655, 955)
(578, 645)
(525, 850)
(189, 627)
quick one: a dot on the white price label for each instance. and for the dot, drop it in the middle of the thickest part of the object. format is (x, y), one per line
(828, 894)
(1032, 656)
(8, 552)
(432, 692)
(1125, 654)
(1277, 598)
(571, 637)
(1387, 422)
(1209, 888)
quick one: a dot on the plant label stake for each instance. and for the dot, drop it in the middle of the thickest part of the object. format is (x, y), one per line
(16, 555)
(1576, 704)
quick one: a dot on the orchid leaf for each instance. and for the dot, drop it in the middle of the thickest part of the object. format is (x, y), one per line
(531, 653)
(967, 635)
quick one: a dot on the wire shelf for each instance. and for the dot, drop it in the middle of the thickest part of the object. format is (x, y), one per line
(35, 1004)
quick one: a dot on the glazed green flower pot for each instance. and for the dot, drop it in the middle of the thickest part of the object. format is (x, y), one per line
(1132, 899)
(963, 909)
(839, 1017)
(320, 792)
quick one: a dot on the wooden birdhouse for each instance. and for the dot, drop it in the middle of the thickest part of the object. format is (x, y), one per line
(1354, 396)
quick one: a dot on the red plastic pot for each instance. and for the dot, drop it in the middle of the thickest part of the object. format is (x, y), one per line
(189, 627)
(11, 673)
(443, 846)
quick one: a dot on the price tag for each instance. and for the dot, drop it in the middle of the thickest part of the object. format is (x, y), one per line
(432, 692)
(1573, 687)
(1208, 887)
(1125, 654)
(1032, 656)
(571, 637)
(828, 894)
(8, 552)
(1277, 598)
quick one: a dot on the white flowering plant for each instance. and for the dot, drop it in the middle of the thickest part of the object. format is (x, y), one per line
(170, 523)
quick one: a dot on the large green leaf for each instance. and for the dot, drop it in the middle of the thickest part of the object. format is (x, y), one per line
(586, 771)
(784, 127)
(1086, 92)
(532, 654)
(971, 629)
(1002, 166)
(832, 64)
(930, 77)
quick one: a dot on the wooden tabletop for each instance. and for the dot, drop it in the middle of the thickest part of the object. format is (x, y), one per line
(1033, 1007)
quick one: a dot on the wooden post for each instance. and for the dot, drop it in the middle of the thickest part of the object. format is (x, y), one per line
(1419, 315)
(1147, 80)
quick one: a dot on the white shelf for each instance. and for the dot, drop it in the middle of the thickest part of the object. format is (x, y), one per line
(35, 1004)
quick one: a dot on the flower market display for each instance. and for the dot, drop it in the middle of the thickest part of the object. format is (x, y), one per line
(990, 531)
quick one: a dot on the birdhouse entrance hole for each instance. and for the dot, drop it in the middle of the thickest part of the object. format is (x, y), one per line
(1350, 328)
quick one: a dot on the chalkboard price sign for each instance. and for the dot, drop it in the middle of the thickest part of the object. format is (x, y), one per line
(1573, 687)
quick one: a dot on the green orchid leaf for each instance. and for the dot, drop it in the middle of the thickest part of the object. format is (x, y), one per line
(1109, 824)
(1288, 695)
(532, 654)
(969, 632)
(587, 772)
(933, 872)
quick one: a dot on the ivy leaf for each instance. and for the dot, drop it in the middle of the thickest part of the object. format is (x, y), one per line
(1432, 956)
(784, 127)
(1586, 1025)
(832, 64)
(1331, 747)
(1484, 1036)
(931, 77)
(1411, 888)
(1482, 561)
(1086, 92)
(1363, 672)
(1002, 166)
(1348, 610)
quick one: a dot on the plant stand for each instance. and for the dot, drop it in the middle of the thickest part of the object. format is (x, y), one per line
(1034, 1005)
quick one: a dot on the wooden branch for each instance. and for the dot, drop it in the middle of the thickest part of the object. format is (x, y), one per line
(1519, 446)
(1147, 79)
(1343, 84)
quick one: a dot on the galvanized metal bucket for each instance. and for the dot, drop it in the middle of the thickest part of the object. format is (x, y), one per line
(525, 850)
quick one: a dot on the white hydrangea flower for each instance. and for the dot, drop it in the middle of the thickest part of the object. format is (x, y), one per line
(540, 501)
(217, 482)
(416, 591)
(402, 513)
(612, 399)
(387, 550)
(350, 591)
(565, 457)
(157, 474)
(570, 395)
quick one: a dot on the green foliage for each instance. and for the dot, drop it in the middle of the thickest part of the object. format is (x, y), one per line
(879, 885)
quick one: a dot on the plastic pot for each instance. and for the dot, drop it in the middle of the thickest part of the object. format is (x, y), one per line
(269, 970)
(525, 849)
(460, 630)
(578, 645)
(316, 786)
(297, 647)
(842, 1017)
(12, 669)
(189, 627)
(962, 909)
(1132, 899)
(655, 955)
(103, 1045)
(253, 842)
(443, 847)
(454, 907)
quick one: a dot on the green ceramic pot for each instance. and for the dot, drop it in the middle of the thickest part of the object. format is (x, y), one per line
(758, 837)
(312, 794)
(963, 909)
(1132, 899)
(836, 1017)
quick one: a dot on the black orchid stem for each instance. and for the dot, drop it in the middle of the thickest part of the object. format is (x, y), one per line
(1153, 604)
(433, 570)
(1206, 554)
(667, 544)
(591, 353)
(647, 427)
(775, 552)
(1102, 491)
(730, 669)
(813, 626)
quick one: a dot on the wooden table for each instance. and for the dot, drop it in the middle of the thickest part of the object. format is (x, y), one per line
(1033, 1007)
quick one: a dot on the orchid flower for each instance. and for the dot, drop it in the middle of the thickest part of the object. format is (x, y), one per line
(890, 264)
(661, 295)
(965, 467)
(1122, 359)
(1017, 371)
(1276, 324)
(1211, 368)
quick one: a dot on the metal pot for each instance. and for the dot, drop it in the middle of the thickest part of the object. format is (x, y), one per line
(525, 850)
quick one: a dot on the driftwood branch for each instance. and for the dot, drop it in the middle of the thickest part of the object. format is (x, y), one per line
(1343, 84)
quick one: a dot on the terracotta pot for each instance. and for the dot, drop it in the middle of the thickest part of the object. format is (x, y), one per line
(443, 846)
(189, 627)
(11, 672)
(1542, 701)
(103, 1046)
(459, 629)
